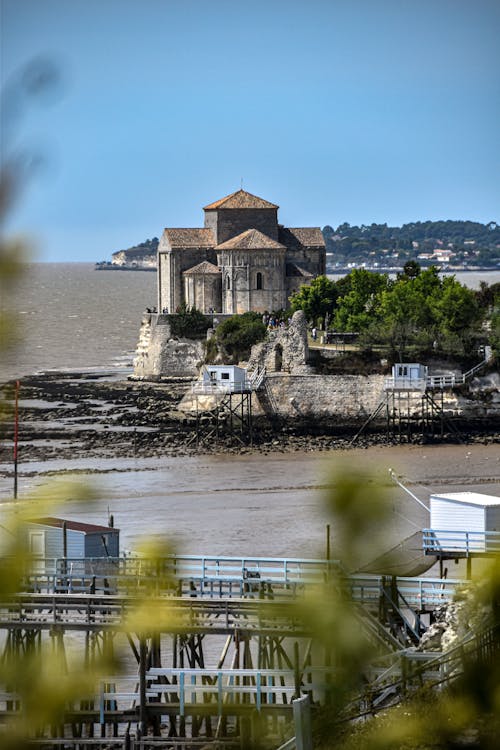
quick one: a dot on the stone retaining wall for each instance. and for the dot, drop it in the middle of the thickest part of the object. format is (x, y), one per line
(346, 397)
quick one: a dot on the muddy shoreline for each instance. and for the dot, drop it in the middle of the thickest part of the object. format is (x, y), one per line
(68, 415)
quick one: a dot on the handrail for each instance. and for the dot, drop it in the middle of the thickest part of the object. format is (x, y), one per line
(451, 540)
(220, 576)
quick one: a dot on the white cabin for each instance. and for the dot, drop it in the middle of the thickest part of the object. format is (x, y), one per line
(227, 377)
(465, 522)
(408, 376)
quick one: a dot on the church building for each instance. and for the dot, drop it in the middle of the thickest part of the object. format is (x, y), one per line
(241, 260)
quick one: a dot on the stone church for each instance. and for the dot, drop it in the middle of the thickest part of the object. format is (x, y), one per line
(241, 260)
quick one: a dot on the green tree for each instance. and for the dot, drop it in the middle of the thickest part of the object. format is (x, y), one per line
(236, 335)
(188, 322)
(358, 308)
(316, 299)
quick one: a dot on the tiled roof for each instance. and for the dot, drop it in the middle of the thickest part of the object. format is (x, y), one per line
(203, 267)
(292, 269)
(240, 199)
(73, 525)
(252, 239)
(189, 237)
(305, 236)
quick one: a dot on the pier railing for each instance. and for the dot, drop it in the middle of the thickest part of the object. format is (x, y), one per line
(203, 575)
(420, 593)
(437, 541)
(217, 577)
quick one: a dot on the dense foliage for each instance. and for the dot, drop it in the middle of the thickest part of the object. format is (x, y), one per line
(188, 322)
(470, 242)
(236, 335)
(419, 310)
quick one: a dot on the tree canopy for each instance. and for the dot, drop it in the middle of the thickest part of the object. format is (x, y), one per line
(418, 309)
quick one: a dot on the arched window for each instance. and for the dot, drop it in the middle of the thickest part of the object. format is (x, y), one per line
(228, 283)
(258, 282)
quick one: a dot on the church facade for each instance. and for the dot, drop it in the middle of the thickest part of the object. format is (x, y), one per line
(241, 259)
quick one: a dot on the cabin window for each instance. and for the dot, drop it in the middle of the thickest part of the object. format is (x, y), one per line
(402, 372)
(258, 282)
(224, 376)
(213, 375)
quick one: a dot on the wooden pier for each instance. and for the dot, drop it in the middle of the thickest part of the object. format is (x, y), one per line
(221, 654)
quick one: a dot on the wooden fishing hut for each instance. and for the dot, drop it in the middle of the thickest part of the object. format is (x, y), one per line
(222, 400)
(55, 538)
(463, 525)
(410, 404)
(228, 377)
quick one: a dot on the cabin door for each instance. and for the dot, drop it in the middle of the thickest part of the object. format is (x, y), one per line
(37, 550)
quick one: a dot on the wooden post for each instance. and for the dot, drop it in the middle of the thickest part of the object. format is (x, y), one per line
(142, 685)
(16, 436)
(296, 669)
(302, 722)
(328, 542)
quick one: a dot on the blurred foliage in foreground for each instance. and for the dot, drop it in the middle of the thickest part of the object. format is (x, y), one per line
(464, 713)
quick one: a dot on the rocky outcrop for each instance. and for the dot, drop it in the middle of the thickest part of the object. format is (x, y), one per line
(285, 350)
(160, 355)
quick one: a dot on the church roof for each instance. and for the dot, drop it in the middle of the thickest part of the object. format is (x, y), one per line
(251, 239)
(189, 237)
(203, 267)
(306, 236)
(240, 199)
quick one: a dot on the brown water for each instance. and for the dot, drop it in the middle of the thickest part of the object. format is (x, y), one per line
(75, 318)
(263, 505)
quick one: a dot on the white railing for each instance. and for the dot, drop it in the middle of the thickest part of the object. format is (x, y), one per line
(216, 387)
(405, 384)
(256, 377)
(466, 542)
(419, 592)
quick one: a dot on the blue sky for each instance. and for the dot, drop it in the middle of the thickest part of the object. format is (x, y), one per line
(342, 110)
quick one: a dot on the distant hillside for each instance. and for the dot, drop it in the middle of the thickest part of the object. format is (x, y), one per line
(464, 243)
(456, 243)
(142, 254)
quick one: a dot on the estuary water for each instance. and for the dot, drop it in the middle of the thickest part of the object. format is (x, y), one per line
(72, 317)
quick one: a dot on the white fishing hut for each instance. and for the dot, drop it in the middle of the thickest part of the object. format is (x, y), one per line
(50, 538)
(463, 523)
(408, 376)
(228, 377)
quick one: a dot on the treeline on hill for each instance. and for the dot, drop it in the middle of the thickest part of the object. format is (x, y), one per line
(417, 313)
(147, 247)
(471, 243)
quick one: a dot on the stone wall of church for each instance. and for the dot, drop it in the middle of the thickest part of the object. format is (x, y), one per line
(203, 291)
(171, 264)
(239, 280)
(228, 223)
(312, 259)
